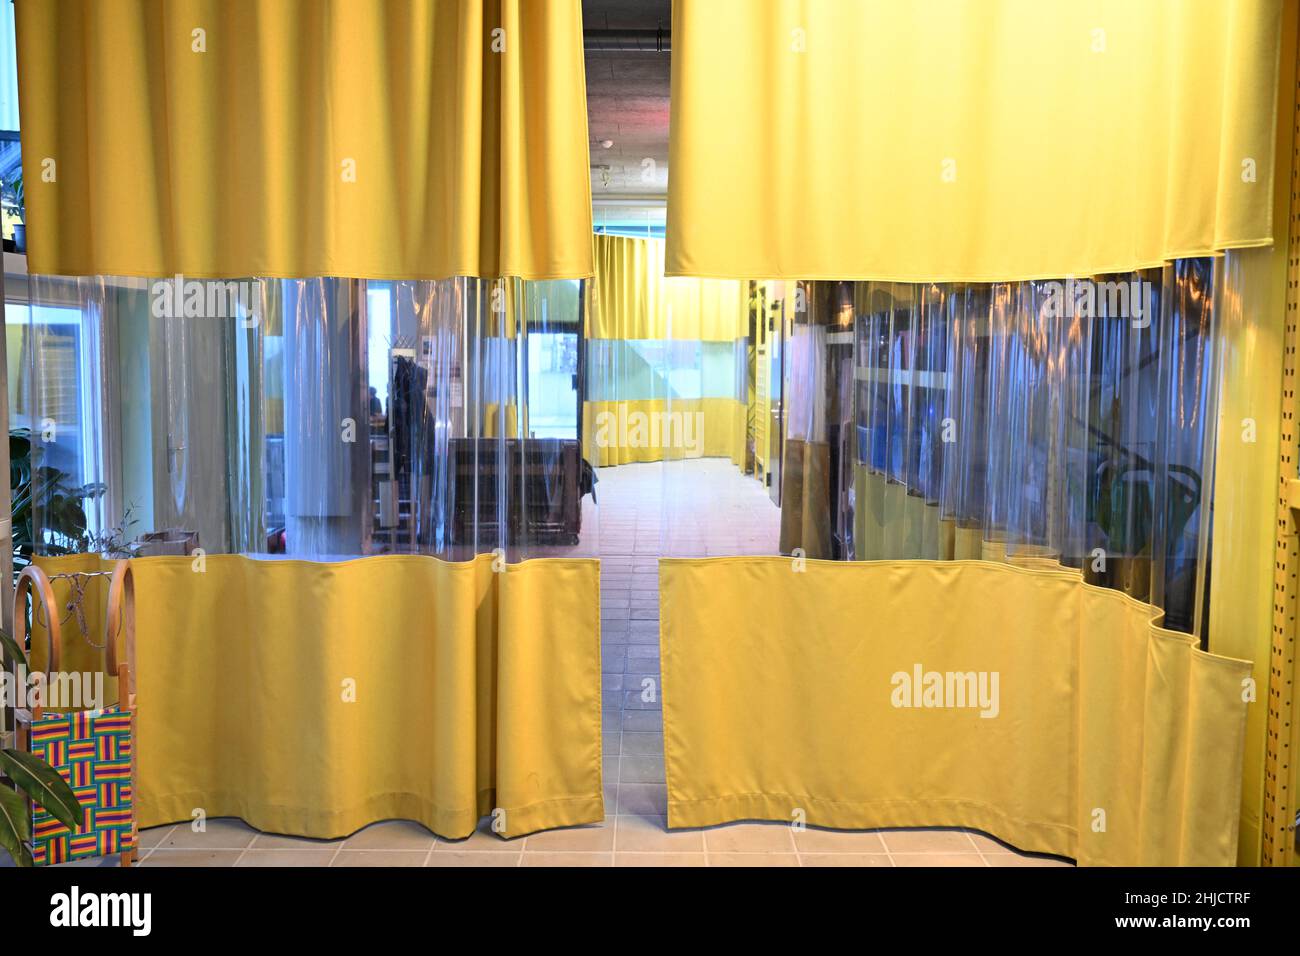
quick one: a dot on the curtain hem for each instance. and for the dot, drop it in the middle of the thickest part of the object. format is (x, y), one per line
(318, 824)
(680, 271)
(1029, 835)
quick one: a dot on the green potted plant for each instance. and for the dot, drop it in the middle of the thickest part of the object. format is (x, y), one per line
(63, 509)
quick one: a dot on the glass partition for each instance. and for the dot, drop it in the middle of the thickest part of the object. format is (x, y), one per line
(313, 418)
(1053, 423)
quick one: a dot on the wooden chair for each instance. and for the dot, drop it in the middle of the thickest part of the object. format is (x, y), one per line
(93, 750)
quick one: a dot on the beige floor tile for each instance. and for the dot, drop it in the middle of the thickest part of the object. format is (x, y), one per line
(1016, 859)
(589, 839)
(986, 844)
(472, 858)
(255, 857)
(642, 659)
(659, 859)
(391, 835)
(191, 857)
(938, 859)
(568, 859)
(641, 769)
(642, 799)
(221, 834)
(650, 834)
(380, 858)
(481, 840)
(643, 744)
(150, 838)
(278, 841)
(753, 859)
(749, 838)
(837, 841)
(613, 659)
(845, 859)
(927, 841)
(643, 721)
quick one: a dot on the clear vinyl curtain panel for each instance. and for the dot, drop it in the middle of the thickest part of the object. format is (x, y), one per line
(1050, 423)
(311, 418)
(665, 373)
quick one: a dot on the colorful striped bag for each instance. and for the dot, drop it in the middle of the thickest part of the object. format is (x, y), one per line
(91, 749)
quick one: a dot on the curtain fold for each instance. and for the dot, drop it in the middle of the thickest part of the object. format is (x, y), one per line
(286, 138)
(631, 299)
(1160, 117)
(1053, 714)
(313, 699)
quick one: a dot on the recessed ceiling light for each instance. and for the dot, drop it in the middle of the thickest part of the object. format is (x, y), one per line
(606, 143)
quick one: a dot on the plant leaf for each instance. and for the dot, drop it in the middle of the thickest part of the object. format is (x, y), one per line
(12, 649)
(15, 826)
(44, 785)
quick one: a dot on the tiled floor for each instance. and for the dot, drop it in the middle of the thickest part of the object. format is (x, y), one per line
(625, 839)
(710, 510)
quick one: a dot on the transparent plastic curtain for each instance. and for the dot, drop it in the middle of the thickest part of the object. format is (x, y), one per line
(665, 417)
(817, 355)
(1053, 423)
(698, 476)
(663, 399)
(313, 418)
(57, 347)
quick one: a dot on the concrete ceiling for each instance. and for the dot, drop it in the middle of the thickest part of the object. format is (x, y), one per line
(627, 104)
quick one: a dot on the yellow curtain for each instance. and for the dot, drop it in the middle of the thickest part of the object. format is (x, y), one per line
(967, 140)
(1052, 714)
(1246, 468)
(313, 698)
(1252, 333)
(631, 299)
(293, 138)
(645, 430)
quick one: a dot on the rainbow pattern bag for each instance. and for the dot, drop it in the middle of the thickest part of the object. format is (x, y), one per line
(91, 750)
